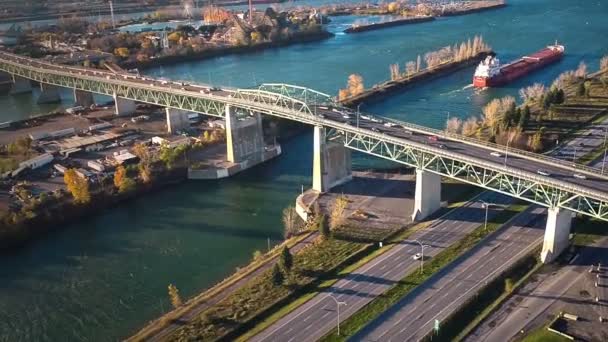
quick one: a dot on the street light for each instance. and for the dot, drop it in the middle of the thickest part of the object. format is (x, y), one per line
(338, 303)
(486, 205)
(421, 253)
(574, 156)
(359, 105)
(509, 137)
(604, 160)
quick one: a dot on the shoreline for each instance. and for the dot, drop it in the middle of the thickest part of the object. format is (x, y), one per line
(233, 50)
(386, 24)
(387, 88)
(66, 212)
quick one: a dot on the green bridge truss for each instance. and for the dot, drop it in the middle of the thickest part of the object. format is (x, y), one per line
(300, 104)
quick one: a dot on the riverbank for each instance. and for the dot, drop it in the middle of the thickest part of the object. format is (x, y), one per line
(392, 23)
(382, 90)
(236, 50)
(52, 212)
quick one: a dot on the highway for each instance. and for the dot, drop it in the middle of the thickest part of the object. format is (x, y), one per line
(317, 317)
(414, 316)
(537, 302)
(538, 169)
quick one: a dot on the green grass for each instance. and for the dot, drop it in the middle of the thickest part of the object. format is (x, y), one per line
(587, 231)
(543, 335)
(373, 309)
(389, 242)
(260, 295)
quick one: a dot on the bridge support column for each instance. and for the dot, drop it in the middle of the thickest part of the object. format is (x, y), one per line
(557, 234)
(48, 94)
(123, 106)
(83, 98)
(331, 162)
(177, 120)
(244, 138)
(428, 194)
(21, 85)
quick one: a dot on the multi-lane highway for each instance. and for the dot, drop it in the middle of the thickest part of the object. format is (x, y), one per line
(414, 316)
(317, 317)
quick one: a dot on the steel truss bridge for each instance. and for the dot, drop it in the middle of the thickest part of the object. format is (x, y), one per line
(574, 187)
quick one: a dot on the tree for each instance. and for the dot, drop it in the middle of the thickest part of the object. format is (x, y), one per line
(122, 181)
(176, 300)
(145, 173)
(290, 220)
(525, 116)
(122, 52)
(535, 142)
(580, 90)
(560, 96)
(338, 211)
(277, 276)
(604, 63)
(453, 125)
(77, 186)
(470, 126)
(286, 260)
(119, 176)
(256, 37)
(355, 84)
(323, 227)
(581, 71)
(174, 36)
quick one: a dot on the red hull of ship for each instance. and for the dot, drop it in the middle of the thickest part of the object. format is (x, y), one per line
(516, 70)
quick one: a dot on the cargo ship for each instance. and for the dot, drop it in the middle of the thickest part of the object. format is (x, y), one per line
(490, 73)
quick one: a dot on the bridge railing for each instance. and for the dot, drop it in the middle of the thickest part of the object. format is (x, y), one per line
(498, 148)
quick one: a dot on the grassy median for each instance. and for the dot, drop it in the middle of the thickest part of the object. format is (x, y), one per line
(376, 307)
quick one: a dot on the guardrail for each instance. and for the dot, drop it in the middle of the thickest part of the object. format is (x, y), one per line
(499, 148)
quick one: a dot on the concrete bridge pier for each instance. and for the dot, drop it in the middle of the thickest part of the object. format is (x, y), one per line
(21, 85)
(177, 120)
(428, 194)
(48, 94)
(557, 234)
(244, 138)
(83, 98)
(331, 162)
(123, 106)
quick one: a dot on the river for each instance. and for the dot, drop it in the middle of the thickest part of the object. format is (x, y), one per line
(102, 278)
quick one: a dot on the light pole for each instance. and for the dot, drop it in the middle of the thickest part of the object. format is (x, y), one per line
(486, 205)
(359, 105)
(509, 137)
(338, 303)
(421, 253)
(604, 160)
(574, 155)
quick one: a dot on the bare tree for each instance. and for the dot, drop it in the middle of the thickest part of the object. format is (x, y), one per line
(532, 93)
(410, 68)
(604, 63)
(337, 216)
(581, 71)
(453, 125)
(470, 126)
(355, 84)
(290, 222)
(394, 68)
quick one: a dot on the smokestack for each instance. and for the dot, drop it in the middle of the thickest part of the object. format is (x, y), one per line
(112, 14)
(250, 11)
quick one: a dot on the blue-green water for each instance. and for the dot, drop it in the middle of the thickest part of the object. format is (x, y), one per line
(104, 277)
